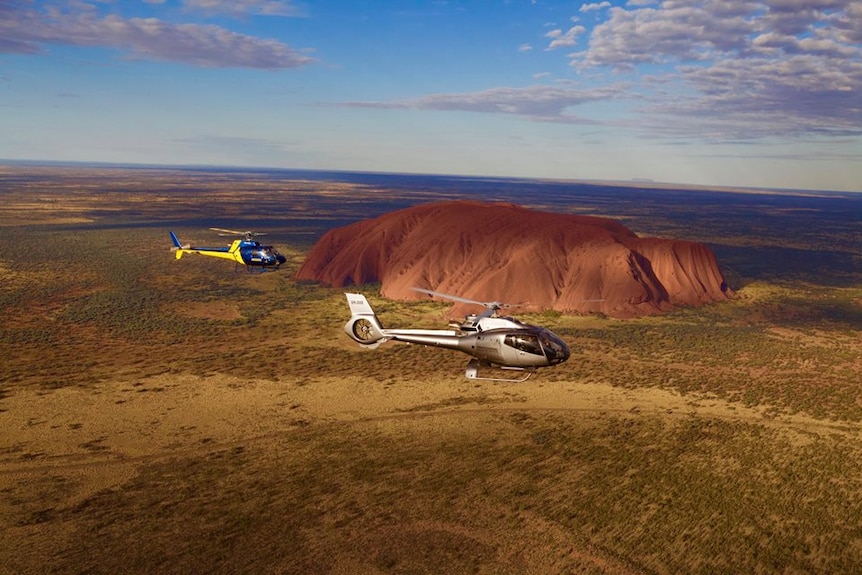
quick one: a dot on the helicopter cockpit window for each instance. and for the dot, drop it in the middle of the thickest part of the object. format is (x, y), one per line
(554, 348)
(525, 342)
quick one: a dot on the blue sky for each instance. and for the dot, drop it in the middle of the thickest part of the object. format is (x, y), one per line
(723, 92)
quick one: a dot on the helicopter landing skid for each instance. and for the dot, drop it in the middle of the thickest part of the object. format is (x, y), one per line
(473, 373)
(250, 270)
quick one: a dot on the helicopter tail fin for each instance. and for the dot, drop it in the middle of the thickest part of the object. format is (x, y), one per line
(363, 326)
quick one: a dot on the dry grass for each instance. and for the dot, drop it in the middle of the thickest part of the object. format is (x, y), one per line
(174, 417)
(484, 486)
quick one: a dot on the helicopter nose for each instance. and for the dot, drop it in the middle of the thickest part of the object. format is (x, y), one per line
(556, 349)
(561, 355)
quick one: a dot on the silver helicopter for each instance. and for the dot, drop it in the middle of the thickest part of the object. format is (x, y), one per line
(492, 340)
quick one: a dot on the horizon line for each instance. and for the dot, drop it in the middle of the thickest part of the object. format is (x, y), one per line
(641, 183)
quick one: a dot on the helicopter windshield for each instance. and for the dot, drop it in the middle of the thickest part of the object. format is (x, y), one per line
(526, 342)
(541, 342)
(259, 255)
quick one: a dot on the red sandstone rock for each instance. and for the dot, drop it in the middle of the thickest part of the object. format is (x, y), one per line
(503, 252)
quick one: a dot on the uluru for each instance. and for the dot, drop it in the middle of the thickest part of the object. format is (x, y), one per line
(508, 253)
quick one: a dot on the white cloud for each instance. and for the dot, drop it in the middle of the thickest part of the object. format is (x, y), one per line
(27, 31)
(240, 7)
(718, 70)
(570, 38)
(594, 6)
(676, 31)
(756, 98)
(741, 70)
(544, 103)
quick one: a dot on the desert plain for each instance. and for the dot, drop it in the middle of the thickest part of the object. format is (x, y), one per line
(164, 416)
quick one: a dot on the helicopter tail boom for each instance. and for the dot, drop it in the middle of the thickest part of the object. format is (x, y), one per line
(364, 328)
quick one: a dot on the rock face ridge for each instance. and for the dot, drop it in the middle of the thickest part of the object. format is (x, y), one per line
(504, 252)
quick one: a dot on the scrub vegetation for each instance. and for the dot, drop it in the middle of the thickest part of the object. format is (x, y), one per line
(91, 296)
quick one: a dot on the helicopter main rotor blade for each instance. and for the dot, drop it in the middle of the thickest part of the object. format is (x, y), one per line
(487, 304)
(491, 306)
(225, 232)
(232, 232)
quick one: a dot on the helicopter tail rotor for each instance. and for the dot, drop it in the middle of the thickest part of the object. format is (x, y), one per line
(177, 246)
(363, 327)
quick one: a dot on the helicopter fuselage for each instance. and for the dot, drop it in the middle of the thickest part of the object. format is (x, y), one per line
(494, 341)
(253, 253)
(249, 253)
(519, 345)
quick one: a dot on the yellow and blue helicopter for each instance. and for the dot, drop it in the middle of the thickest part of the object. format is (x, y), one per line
(247, 251)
